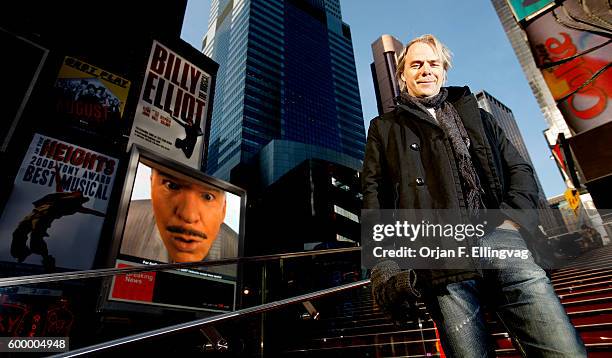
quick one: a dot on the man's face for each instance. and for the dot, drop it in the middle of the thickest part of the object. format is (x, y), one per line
(188, 215)
(423, 71)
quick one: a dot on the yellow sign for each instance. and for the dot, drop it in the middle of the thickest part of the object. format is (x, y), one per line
(573, 198)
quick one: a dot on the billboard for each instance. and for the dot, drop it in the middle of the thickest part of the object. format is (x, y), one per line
(57, 206)
(89, 98)
(527, 9)
(173, 214)
(37, 312)
(575, 65)
(592, 151)
(172, 114)
(22, 69)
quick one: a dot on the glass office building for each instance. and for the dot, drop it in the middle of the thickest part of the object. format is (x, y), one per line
(505, 118)
(287, 72)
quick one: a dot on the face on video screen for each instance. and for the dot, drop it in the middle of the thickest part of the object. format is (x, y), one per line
(188, 215)
(175, 218)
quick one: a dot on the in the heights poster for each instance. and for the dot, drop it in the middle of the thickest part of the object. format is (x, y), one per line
(58, 204)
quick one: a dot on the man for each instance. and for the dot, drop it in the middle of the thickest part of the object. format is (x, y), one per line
(188, 215)
(89, 94)
(438, 150)
(184, 225)
(592, 237)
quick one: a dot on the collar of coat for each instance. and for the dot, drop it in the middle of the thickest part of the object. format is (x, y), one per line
(466, 105)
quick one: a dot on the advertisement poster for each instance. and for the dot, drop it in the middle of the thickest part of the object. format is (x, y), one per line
(35, 312)
(90, 98)
(526, 9)
(57, 207)
(25, 63)
(171, 115)
(174, 218)
(575, 65)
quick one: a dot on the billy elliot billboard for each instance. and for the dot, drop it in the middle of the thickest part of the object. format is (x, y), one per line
(172, 116)
(57, 207)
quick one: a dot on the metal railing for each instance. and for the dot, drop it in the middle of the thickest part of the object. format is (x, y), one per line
(210, 320)
(198, 323)
(65, 276)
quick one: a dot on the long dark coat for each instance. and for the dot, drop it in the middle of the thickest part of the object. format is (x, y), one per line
(409, 164)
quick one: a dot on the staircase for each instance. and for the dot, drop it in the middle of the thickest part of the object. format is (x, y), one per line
(357, 328)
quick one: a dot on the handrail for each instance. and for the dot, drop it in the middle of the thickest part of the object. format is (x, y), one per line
(209, 320)
(63, 276)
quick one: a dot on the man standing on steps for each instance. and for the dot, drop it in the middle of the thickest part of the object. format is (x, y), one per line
(438, 150)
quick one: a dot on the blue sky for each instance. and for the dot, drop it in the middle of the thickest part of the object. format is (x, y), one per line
(483, 57)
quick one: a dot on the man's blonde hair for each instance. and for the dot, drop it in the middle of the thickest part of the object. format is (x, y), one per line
(439, 48)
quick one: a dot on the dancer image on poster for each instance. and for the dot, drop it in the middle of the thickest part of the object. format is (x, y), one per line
(192, 132)
(47, 209)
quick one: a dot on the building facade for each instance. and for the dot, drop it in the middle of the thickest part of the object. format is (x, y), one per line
(385, 51)
(287, 72)
(324, 210)
(505, 118)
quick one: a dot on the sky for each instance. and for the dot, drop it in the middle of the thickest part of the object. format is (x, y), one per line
(483, 58)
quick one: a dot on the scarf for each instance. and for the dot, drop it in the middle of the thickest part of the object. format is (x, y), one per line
(453, 127)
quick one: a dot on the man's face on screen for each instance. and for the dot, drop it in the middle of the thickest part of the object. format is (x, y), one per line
(188, 215)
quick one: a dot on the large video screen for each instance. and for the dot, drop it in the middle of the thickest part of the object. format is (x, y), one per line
(174, 214)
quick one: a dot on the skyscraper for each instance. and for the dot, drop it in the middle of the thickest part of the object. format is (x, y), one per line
(287, 73)
(385, 50)
(505, 118)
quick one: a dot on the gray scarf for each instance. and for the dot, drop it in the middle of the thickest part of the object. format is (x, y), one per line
(453, 127)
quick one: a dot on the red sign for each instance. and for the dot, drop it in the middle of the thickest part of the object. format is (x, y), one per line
(135, 287)
(574, 64)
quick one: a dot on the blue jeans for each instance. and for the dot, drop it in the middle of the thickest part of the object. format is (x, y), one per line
(523, 298)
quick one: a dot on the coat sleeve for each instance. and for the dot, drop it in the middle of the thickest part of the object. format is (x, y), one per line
(520, 191)
(372, 176)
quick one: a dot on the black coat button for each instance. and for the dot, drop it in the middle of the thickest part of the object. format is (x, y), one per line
(415, 146)
(420, 181)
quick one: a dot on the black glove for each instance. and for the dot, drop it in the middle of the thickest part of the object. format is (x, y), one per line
(395, 293)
